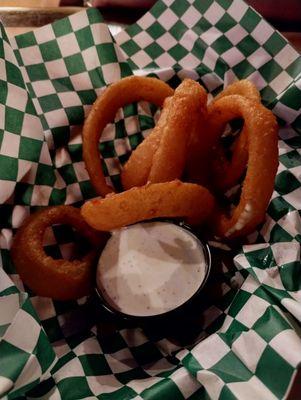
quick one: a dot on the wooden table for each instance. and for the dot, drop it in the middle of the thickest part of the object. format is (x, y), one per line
(294, 38)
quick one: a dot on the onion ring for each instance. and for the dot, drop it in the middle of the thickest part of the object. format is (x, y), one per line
(183, 117)
(59, 279)
(192, 202)
(199, 152)
(119, 94)
(243, 88)
(261, 129)
(176, 125)
(136, 170)
(224, 173)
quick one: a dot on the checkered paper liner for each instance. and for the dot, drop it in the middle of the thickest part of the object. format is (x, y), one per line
(49, 78)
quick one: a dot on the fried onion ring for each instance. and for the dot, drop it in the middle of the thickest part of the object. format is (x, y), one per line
(166, 145)
(199, 152)
(243, 88)
(136, 170)
(224, 173)
(262, 142)
(173, 199)
(184, 110)
(119, 94)
(59, 279)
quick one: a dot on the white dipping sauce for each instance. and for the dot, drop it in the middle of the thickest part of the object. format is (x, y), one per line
(150, 268)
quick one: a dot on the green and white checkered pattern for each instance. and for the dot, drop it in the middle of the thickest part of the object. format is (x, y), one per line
(249, 343)
(258, 347)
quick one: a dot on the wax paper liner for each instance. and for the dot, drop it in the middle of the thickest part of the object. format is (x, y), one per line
(251, 343)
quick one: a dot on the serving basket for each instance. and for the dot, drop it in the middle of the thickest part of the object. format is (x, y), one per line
(248, 345)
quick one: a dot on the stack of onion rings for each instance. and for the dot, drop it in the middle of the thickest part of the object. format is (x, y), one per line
(167, 149)
(166, 153)
(185, 143)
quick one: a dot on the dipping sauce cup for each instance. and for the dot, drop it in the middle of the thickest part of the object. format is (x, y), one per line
(152, 271)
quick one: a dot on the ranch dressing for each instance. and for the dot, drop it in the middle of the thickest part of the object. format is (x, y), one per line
(150, 268)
